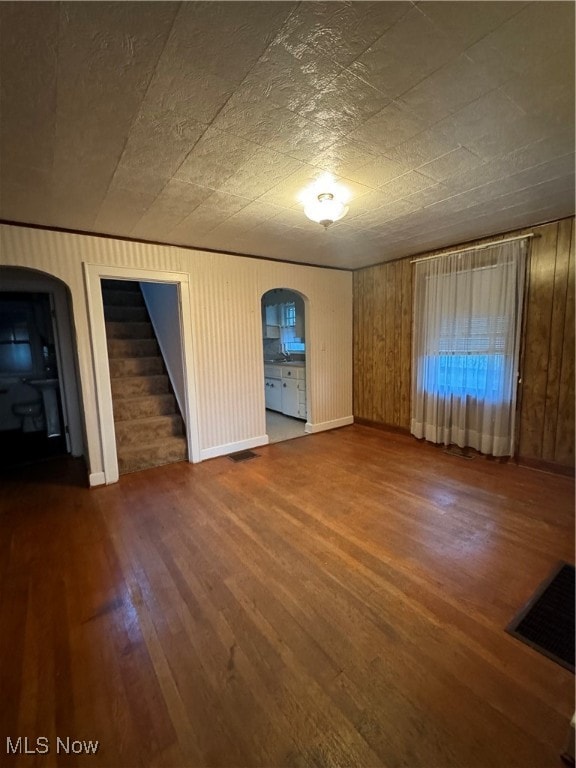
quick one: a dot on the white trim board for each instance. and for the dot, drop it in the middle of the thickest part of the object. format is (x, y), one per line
(226, 448)
(96, 478)
(325, 425)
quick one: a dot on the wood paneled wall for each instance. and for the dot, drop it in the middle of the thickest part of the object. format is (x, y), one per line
(547, 404)
(382, 314)
(383, 340)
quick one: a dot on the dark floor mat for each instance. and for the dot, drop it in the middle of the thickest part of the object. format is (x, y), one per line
(547, 621)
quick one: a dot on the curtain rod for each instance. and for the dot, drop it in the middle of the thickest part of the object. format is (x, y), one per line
(491, 244)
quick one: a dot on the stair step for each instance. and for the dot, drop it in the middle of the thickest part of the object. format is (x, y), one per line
(119, 298)
(141, 407)
(146, 430)
(125, 313)
(135, 366)
(129, 330)
(133, 348)
(138, 386)
(166, 451)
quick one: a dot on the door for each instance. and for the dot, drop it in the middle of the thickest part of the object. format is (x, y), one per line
(290, 397)
(273, 394)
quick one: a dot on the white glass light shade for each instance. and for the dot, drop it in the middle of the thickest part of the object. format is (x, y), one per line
(325, 209)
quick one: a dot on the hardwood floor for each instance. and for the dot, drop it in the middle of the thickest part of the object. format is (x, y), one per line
(337, 601)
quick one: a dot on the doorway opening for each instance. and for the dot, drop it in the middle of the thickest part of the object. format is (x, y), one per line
(146, 372)
(39, 413)
(285, 375)
(181, 325)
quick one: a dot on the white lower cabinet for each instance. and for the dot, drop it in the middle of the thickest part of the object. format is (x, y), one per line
(302, 412)
(290, 397)
(273, 394)
(294, 392)
(285, 389)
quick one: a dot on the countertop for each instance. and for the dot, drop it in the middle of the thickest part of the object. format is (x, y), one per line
(286, 363)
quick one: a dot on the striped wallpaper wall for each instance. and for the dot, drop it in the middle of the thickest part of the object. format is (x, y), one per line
(225, 294)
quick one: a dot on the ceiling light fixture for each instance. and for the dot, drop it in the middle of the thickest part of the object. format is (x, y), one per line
(325, 209)
(325, 200)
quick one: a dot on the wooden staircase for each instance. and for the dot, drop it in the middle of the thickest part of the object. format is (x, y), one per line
(149, 428)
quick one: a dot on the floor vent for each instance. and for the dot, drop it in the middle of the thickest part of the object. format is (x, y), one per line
(242, 455)
(462, 453)
(547, 621)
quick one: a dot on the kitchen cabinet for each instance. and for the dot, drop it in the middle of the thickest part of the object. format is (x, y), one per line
(302, 408)
(273, 393)
(272, 314)
(273, 387)
(271, 332)
(270, 322)
(290, 397)
(285, 389)
(294, 391)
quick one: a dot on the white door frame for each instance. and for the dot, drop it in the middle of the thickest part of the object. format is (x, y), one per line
(93, 275)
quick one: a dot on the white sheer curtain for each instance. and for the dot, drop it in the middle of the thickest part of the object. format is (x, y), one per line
(466, 343)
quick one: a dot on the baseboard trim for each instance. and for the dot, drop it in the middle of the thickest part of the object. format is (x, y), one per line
(323, 426)
(545, 466)
(241, 445)
(381, 425)
(96, 478)
(540, 464)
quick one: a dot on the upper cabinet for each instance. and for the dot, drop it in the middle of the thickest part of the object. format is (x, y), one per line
(270, 322)
(272, 314)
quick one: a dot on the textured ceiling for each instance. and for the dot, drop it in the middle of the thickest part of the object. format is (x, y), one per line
(199, 123)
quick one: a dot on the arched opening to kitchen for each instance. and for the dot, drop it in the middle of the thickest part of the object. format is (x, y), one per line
(285, 354)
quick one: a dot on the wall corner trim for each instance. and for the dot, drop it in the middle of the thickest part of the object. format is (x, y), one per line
(96, 478)
(325, 425)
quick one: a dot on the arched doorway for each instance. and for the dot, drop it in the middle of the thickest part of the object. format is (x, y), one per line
(284, 348)
(39, 402)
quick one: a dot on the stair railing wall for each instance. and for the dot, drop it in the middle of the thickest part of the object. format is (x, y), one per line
(163, 305)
